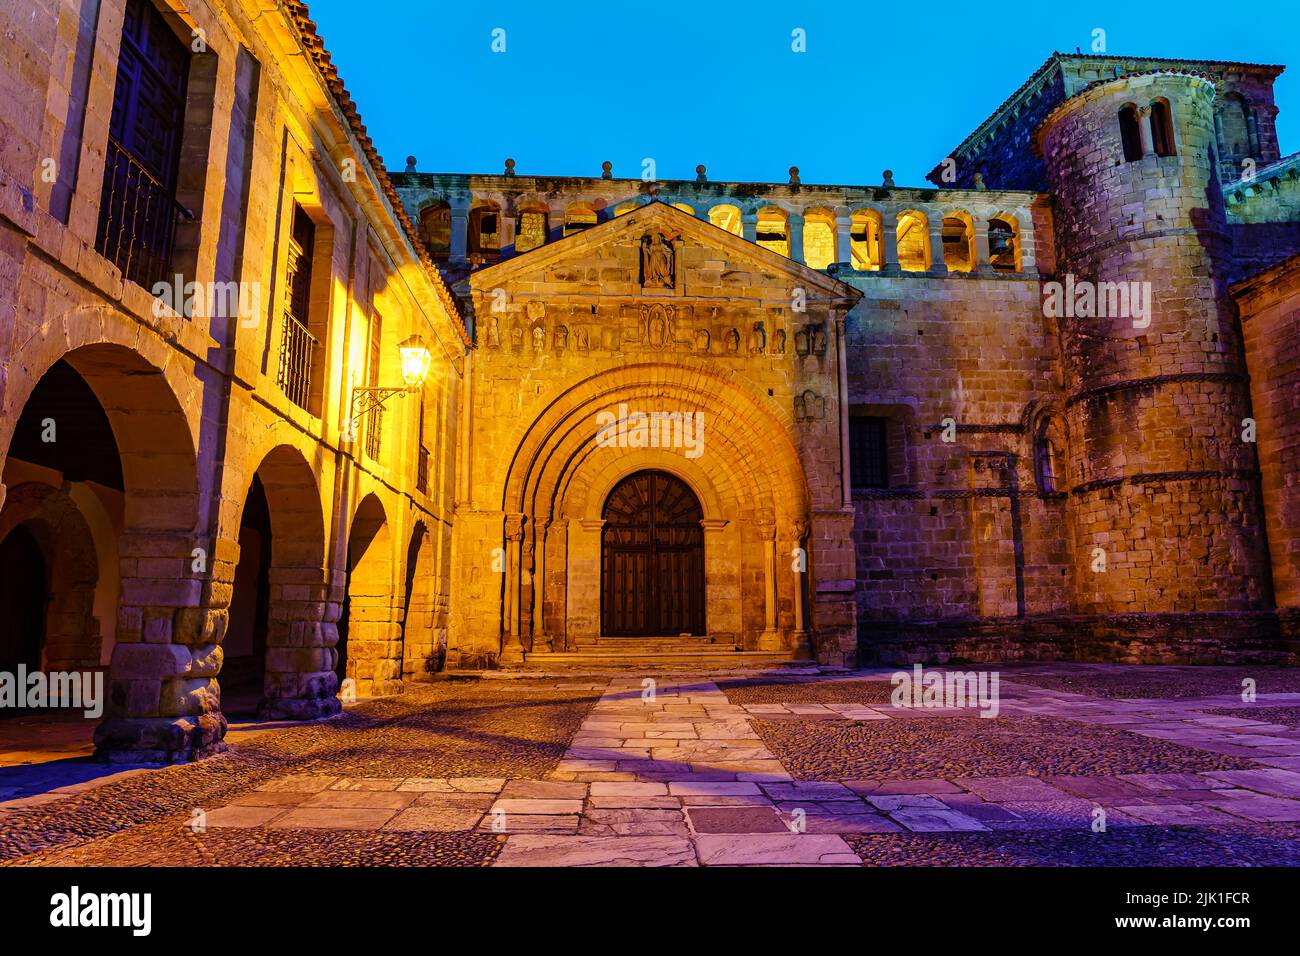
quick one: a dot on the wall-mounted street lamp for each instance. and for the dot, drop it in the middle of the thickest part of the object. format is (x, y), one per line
(415, 366)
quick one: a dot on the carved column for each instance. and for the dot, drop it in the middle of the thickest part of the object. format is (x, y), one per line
(512, 645)
(541, 641)
(1144, 131)
(799, 565)
(770, 639)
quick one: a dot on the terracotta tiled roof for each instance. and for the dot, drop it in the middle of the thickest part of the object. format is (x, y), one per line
(319, 56)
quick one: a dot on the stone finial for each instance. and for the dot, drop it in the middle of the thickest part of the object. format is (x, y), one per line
(510, 167)
(979, 182)
(699, 174)
(410, 164)
(794, 175)
(607, 170)
(889, 179)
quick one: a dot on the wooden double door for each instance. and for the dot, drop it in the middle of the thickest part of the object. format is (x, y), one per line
(652, 558)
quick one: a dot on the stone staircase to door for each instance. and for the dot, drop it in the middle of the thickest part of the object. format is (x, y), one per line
(682, 654)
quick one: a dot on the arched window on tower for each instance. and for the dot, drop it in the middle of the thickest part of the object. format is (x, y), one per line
(1237, 125)
(1128, 133)
(435, 229)
(532, 228)
(958, 242)
(727, 218)
(774, 230)
(484, 230)
(1162, 128)
(689, 210)
(1004, 245)
(1045, 458)
(866, 251)
(625, 207)
(577, 217)
(819, 238)
(913, 241)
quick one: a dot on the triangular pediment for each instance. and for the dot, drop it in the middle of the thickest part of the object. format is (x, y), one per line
(660, 250)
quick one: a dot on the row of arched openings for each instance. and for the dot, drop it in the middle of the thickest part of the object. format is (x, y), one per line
(821, 239)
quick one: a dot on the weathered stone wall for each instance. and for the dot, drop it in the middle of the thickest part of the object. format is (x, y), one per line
(1270, 319)
(1166, 494)
(964, 370)
(1264, 217)
(194, 401)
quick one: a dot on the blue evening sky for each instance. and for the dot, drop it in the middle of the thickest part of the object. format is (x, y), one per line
(880, 85)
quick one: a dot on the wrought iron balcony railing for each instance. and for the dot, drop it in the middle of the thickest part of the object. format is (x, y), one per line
(297, 350)
(138, 217)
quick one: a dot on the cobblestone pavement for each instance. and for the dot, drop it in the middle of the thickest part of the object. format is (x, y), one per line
(689, 771)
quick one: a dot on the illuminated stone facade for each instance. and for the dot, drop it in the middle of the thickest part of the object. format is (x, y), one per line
(378, 446)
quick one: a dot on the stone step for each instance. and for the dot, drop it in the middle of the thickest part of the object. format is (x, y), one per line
(700, 660)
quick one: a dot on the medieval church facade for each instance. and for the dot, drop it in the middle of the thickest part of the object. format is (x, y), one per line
(1042, 407)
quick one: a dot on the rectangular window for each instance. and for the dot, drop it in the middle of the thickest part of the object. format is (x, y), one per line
(868, 451)
(375, 417)
(297, 344)
(138, 212)
(422, 452)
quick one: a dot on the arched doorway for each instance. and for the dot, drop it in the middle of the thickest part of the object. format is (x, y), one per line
(369, 647)
(243, 670)
(22, 601)
(652, 558)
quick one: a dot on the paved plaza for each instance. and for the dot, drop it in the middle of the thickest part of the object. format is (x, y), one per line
(1083, 765)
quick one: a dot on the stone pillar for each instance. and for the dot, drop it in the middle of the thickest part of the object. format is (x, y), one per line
(541, 642)
(937, 264)
(749, 225)
(770, 639)
(798, 536)
(512, 645)
(794, 229)
(889, 240)
(982, 264)
(844, 239)
(1144, 131)
(301, 647)
(842, 403)
(164, 705)
(459, 232)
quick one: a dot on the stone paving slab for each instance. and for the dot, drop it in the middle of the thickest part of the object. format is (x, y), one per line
(774, 849)
(537, 851)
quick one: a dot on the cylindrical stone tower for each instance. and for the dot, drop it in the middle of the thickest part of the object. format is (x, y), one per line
(1165, 496)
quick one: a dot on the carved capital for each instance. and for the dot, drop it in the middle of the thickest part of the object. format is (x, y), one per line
(514, 527)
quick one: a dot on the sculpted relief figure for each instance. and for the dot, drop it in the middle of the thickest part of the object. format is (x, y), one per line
(658, 261)
(494, 333)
